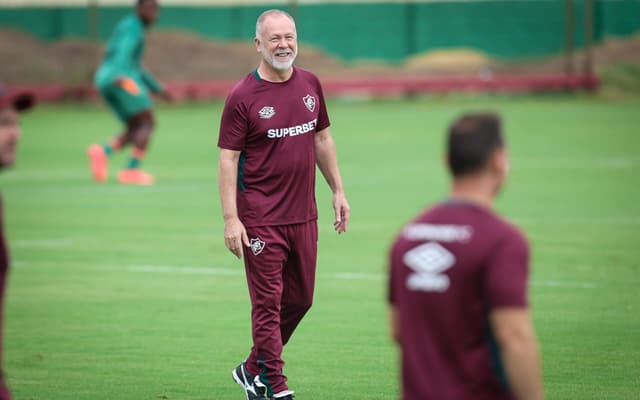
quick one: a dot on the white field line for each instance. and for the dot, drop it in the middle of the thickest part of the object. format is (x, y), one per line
(578, 164)
(576, 285)
(599, 220)
(42, 243)
(363, 276)
(357, 276)
(185, 270)
(360, 276)
(160, 269)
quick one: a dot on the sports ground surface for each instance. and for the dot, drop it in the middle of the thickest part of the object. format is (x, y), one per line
(128, 292)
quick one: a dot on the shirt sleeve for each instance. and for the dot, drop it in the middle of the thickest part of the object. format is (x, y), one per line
(323, 115)
(507, 273)
(234, 125)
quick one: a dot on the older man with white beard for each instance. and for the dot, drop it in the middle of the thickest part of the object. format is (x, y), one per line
(273, 133)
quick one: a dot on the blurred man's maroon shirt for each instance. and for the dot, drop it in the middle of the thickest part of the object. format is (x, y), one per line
(449, 268)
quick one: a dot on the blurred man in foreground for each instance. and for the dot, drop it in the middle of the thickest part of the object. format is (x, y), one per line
(458, 284)
(125, 86)
(10, 106)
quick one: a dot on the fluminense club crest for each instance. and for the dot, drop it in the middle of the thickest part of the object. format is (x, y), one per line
(310, 102)
(267, 112)
(257, 246)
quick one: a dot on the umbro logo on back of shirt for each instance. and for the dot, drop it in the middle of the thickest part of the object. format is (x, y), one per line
(429, 261)
(267, 112)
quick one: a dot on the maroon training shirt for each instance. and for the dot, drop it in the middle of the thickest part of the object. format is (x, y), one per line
(449, 268)
(274, 126)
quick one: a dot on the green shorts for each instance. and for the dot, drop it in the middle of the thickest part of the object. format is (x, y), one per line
(124, 103)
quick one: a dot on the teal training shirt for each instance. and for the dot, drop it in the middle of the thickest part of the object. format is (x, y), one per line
(123, 55)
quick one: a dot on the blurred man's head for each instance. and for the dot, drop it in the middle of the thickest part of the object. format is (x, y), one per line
(148, 11)
(276, 39)
(476, 148)
(10, 106)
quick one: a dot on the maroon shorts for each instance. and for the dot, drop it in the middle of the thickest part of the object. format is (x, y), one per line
(281, 270)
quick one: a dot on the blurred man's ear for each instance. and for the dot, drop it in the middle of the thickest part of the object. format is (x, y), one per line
(500, 162)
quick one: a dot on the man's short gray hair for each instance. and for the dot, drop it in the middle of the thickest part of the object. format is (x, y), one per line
(267, 13)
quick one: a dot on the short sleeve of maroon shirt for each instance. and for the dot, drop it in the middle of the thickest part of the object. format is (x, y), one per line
(273, 125)
(507, 268)
(449, 268)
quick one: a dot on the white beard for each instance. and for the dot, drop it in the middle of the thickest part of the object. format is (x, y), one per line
(279, 65)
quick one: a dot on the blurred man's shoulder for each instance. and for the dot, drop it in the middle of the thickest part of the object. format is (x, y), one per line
(129, 23)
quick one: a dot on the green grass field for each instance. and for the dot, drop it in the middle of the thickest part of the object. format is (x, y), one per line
(128, 292)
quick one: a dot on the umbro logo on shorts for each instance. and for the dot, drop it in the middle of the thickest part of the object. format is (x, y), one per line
(257, 246)
(310, 102)
(267, 112)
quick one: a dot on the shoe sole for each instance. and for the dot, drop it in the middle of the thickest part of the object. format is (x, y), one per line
(135, 183)
(143, 179)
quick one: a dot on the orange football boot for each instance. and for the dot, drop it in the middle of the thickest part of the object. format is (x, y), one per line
(135, 176)
(98, 160)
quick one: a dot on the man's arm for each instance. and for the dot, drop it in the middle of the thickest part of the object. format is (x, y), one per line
(235, 235)
(327, 161)
(516, 339)
(156, 87)
(151, 81)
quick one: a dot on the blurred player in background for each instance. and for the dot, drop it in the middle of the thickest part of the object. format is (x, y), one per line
(125, 86)
(274, 130)
(458, 284)
(10, 106)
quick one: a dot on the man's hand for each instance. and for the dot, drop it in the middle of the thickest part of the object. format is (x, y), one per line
(342, 210)
(235, 236)
(167, 96)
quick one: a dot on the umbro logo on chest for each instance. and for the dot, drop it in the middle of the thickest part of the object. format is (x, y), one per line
(267, 112)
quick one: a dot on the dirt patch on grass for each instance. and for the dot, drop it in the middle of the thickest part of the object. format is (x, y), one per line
(452, 60)
(175, 55)
(182, 56)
